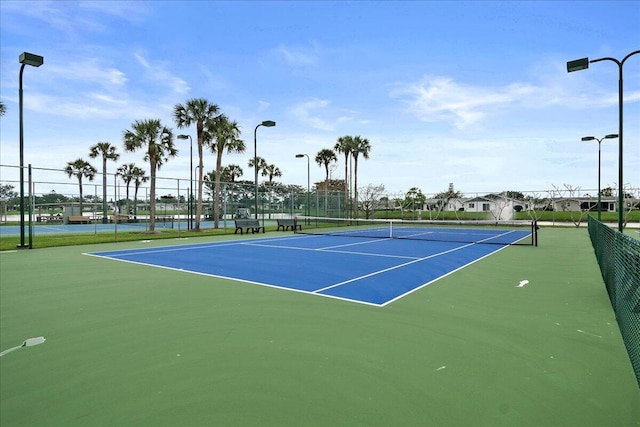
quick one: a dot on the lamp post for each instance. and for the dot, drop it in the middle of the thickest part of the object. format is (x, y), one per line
(591, 138)
(190, 176)
(582, 64)
(299, 156)
(35, 61)
(266, 123)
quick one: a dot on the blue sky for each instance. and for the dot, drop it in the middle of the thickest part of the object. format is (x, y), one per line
(471, 93)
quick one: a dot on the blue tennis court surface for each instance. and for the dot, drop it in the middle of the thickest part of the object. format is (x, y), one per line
(363, 270)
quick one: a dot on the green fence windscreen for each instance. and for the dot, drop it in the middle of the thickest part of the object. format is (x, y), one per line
(619, 258)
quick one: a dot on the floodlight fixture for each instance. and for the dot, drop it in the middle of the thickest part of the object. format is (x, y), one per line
(27, 58)
(577, 65)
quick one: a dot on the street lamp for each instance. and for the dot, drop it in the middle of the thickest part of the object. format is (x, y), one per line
(35, 61)
(591, 138)
(190, 177)
(583, 64)
(269, 124)
(299, 156)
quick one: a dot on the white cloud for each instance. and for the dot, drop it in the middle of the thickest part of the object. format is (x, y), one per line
(88, 71)
(435, 99)
(307, 113)
(297, 58)
(263, 105)
(158, 72)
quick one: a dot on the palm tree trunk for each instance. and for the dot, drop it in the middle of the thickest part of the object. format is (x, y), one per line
(152, 201)
(127, 201)
(326, 189)
(80, 186)
(135, 202)
(104, 190)
(216, 191)
(200, 182)
(346, 182)
(355, 184)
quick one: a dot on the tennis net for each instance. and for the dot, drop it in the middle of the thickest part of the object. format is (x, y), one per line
(487, 232)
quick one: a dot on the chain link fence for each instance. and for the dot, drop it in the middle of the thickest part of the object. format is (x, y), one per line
(53, 195)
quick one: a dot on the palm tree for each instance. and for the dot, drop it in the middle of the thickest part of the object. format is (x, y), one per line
(3, 109)
(226, 134)
(344, 146)
(139, 177)
(108, 152)
(160, 146)
(271, 171)
(324, 158)
(80, 168)
(261, 163)
(128, 173)
(360, 146)
(197, 111)
(231, 172)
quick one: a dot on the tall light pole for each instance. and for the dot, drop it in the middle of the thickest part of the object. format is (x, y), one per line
(35, 61)
(190, 176)
(583, 64)
(266, 123)
(299, 156)
(591, 138)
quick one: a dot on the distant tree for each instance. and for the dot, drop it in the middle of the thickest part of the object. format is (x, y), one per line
(325, 157)
(107, 152)
(129, 172)
(3, 109)
(158, 142)
(225, 136)
(200, 112)
(567, 197)
(271, 172)
(51, 198)
(331, 185)
(606, 192)
(231, 172)
(360, 146)
(414, 199)
(442, 199)
(139, 177)
(80, 168)
(345, 146)
(516, 195)
(370, 198)
(6, 192)
(261, 163)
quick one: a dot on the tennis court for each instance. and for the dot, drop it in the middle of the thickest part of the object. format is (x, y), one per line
(360, 269)
(128, 343)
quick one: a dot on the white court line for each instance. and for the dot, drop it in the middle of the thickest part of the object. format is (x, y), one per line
(219, 276)
(162, 249)
(375, 273)
(329, 250)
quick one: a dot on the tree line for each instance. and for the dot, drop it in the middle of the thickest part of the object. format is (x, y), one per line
(216, 133)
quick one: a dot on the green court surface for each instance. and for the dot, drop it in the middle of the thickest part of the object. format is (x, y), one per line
(129, 344)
